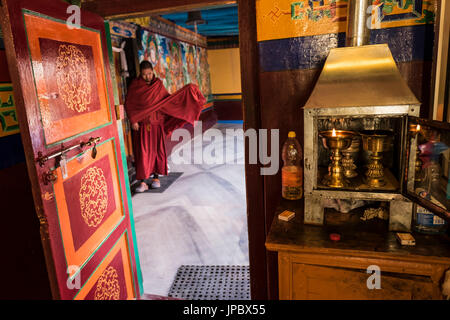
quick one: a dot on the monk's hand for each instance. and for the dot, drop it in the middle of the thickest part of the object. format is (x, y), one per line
(135, 126)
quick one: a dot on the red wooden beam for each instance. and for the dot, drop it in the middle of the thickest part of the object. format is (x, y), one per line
(121, 9)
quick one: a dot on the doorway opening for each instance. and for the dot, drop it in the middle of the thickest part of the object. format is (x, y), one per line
(197, 218)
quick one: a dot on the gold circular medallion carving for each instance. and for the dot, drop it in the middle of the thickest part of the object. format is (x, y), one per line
(72, 77)
(93, 196)
(108, 285)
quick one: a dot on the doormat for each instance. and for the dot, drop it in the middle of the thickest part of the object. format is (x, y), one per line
(165, 181)
(211, 283)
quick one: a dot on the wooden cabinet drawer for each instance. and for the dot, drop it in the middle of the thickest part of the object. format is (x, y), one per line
(344, 277)
(325, 283)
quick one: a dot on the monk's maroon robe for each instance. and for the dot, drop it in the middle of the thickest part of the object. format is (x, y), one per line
(158, 114)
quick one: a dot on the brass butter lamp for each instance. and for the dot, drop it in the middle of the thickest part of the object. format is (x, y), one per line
(336, 141)
(377, 142)
(414, 131)
(348, 162)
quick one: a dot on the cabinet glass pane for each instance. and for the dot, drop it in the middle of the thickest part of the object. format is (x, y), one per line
(428, 164)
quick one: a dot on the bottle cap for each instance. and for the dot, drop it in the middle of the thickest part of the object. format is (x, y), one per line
(291, 134)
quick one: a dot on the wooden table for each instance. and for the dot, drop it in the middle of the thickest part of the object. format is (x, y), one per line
(311, 266)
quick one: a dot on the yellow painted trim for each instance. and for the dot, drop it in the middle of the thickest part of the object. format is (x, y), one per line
(225, 70)
(295, 18)
(227, 97)
(442, 63)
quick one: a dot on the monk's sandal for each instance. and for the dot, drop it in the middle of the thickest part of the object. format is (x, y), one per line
(156, 184)
(142, 187)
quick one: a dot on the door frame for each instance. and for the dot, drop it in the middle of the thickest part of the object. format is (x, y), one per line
(254, 181)
(261, 288)
(260, 264)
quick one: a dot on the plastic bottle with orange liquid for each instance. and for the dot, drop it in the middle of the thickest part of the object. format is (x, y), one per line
(292, 170)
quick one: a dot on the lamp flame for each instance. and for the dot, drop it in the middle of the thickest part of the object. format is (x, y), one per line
(333, 133)
(418, 127)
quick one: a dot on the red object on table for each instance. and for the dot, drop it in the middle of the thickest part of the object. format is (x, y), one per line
(335, 236)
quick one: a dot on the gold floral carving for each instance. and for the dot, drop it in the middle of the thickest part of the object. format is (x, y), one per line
(108, 285)
(72, 77)
(93, 196)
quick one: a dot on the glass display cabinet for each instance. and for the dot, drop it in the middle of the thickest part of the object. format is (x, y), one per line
(364, 142)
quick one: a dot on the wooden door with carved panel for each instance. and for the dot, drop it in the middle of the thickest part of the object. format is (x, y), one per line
(74, 148)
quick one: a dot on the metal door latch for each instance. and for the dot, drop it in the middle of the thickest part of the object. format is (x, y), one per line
(41, 159)
(49, 177)
(60, 159)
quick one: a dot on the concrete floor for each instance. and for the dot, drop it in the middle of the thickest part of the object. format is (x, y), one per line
(200, 219)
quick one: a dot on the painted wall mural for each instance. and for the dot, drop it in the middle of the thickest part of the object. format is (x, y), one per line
(8, 117)
(293, 18)
(176, 63)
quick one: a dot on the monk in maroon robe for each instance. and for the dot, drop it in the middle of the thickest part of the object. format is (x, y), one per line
(154, 114)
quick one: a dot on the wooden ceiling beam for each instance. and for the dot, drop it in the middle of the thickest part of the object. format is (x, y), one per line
(122, 9)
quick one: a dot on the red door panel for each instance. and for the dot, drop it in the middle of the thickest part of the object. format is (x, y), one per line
(68, 69)
(113, 278)
(89, 202)
(64, 97)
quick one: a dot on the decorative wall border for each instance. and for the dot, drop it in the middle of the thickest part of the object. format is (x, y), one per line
(122, 29)
(298, 18)
(8, 118)
(169, 29)
(311, 52)
(223, 42)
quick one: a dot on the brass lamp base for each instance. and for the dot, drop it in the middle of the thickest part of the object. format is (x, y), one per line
(350, 168)
(375, 172)
(348, 163)
(376, 141)
(335, 181)
(336, 140)
(376, 182)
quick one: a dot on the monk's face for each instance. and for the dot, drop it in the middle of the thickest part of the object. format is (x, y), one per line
(147, 75)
